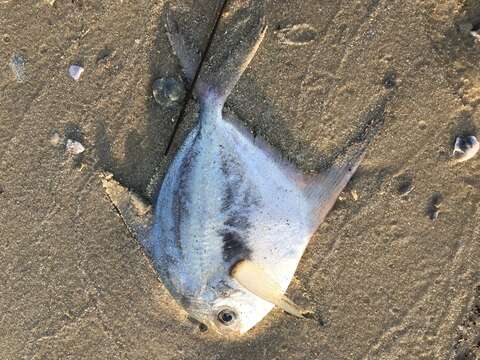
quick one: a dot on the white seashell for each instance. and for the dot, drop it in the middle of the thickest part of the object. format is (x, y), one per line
(465, 148)
(55, 139)
(74, 147)
(75, 71)
(17, 65)
(475, 34)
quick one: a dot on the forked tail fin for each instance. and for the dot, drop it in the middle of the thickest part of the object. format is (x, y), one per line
(239, 33)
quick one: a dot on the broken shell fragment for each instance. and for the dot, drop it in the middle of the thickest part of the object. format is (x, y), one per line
(354, 195)
(475, 34)
(74, 147)
(55, 139)
(465, 148)
(17, 65)
(434, 205)
(75, 71)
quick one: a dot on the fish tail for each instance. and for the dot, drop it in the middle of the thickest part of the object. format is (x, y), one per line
(185, 50)
(238, 37)
(239, 33)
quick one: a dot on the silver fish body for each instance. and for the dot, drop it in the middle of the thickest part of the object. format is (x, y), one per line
(224, 199)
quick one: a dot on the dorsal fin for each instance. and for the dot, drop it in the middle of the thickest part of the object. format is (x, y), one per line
(135, 212)
(322, 190)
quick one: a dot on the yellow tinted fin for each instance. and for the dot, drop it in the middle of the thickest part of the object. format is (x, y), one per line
(253, 278)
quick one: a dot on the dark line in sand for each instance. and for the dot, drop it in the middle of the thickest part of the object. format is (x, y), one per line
(188, 97)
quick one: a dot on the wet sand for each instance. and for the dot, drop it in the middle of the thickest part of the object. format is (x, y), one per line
(388, 280)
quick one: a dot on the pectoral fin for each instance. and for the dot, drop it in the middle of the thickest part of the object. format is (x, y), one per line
(256, 280)
(135, 212)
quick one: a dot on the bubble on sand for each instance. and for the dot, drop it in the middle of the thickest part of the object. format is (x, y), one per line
(168, 91)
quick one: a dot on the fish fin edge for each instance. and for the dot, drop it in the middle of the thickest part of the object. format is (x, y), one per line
(289, 168)
(188, 55)
(257, 281)
(135, 212)
(243, 30)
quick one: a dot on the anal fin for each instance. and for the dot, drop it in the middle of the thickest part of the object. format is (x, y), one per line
(135, 212)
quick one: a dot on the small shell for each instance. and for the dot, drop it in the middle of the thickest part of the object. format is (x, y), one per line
(75, 71)
(465, 148)
(74, 147)
(475, 34)
(354, 195)
(55, 139)
(17, 65)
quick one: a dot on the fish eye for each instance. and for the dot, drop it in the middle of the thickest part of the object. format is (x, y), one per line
(226, 317)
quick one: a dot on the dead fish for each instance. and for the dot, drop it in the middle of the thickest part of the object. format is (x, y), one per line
(232, 218)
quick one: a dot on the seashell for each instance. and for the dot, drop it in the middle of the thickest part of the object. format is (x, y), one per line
(55, 139)
(465, 148)
(17, 65)
(74, 147)
(475, 34)
(75, 71)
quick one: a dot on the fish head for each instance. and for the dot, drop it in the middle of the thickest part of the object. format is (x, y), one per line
(227, 308)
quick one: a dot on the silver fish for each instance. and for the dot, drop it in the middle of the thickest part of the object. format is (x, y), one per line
(232, 218)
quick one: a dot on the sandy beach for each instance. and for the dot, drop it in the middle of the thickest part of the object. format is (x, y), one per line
(394, 270)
